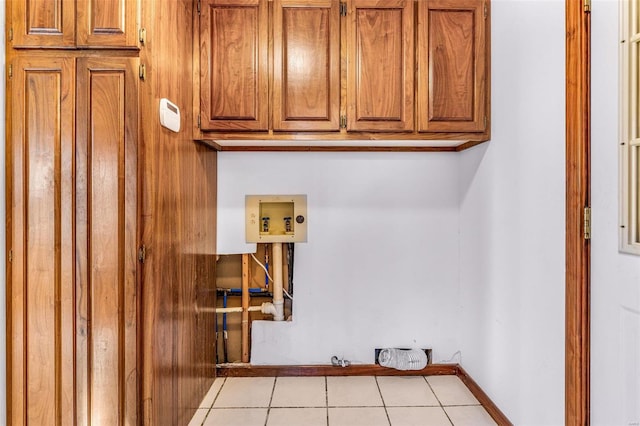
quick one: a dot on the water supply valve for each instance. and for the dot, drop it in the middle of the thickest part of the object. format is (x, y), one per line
(270, 218)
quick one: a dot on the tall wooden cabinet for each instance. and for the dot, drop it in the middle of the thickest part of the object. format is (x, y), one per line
(72, 217)
(41, 269)
(110, 216)
(72, 294)
(106, 203)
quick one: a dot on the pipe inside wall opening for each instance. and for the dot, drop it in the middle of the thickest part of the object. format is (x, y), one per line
(243, 281)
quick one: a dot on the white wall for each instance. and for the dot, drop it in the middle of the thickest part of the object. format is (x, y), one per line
(615, 277)
(512, 220)
(484, 272)
(381, 264)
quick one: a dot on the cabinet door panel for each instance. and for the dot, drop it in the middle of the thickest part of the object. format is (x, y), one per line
(40, 296)
(306, 65)
(106, 240)
(234, 67)
(43, 23)
(380, 65)
(451, 61)
(107, 23)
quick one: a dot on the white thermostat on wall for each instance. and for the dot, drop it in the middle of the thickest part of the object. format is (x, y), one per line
(169, 115)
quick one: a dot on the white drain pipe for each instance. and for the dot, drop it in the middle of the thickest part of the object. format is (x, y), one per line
(278, 294)
(266, 308)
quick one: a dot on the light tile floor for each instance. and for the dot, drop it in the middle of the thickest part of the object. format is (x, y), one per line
(340, 401)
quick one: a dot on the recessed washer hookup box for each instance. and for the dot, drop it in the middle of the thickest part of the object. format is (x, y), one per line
(276, 218)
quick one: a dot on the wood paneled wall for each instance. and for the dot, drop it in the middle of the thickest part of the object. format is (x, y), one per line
(178, 219)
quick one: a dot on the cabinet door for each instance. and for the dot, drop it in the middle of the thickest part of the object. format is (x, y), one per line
(380, 65)
(452, 66)
(40, 292)
(43, 23)
(234, 68)
(106, 235)
(107, 23)
(306, 78)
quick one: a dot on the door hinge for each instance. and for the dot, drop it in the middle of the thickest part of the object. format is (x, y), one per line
(587, 223)
(587, 6)
(142, 35)
(199, 122)
(142, 253)
(343, 9)
(199, 6)
(11, 34)
(142, 72)
(343, 121)
(10, 71)
(10, 256)
(486, 10)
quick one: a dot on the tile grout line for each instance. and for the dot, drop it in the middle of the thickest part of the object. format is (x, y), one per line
(437, 399)
(326, 397)
(273, 391)
(384, 405)
(224, 380)
(209, 409)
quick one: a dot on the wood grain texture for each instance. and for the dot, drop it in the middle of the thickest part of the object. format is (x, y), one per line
(496, 414)
(452, 66)
(41, 284)
(245, 306)
(329, 370)
(43, 23)
(433, 138)
(380, 65)
(306, 77)
(376, 73)
(178, 217)
(345, 148)
(106, 235)
(107, 23)
(234, 65)
(578, 187)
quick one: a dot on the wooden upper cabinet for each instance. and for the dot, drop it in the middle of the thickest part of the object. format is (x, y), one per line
(71, 23)
(452, 66)
(361, 69)
(40, 291)
(380, 65)
(234, 79)
(306, 77)
(107, 23)
(43, 23)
